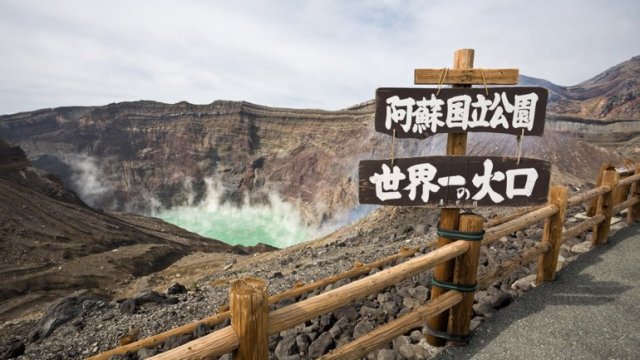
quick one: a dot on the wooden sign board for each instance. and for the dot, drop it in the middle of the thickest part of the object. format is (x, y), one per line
(420, 112)
(454, 181)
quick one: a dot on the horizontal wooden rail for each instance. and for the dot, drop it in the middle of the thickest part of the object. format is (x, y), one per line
(508, 267)
(294, 314)
(358, 271)
(209, 346)
(497, 232)
(219, 318)
(383, 334)
(587, 195)
(629, 180)
(625, 204)
(466, 76)
(225, 340)
(625, 170)
(503, 219)
(153, 341)
(582, 227)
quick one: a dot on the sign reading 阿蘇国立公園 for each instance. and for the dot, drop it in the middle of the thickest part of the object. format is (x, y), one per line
(420, 112)
(454, 181)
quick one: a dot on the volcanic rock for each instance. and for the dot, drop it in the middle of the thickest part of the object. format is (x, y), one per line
(13, 348)
(176, 289)
(321, 345)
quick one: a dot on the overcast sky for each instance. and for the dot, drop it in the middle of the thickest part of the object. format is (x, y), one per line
(302, 54)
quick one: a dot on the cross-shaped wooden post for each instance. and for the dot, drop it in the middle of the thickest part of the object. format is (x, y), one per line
(461, 75)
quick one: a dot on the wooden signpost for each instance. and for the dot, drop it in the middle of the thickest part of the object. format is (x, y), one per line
(419, 112)
(457, 181)
(454, 181)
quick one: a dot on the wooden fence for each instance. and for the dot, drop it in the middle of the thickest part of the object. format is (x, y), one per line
(252, 322)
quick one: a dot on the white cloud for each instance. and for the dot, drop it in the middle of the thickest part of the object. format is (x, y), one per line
(322, 54)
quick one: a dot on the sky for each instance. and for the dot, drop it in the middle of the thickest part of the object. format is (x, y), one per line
(291, 53)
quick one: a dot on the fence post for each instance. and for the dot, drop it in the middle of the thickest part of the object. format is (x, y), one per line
(606, 203)
(593, 207)
(449, 218)
(552, 234)
(442, 272)
(633, 213)
(249, 318)
(465, 274)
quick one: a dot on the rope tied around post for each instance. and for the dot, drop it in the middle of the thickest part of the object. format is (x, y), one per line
(461, 235)
(443, 76)
(451, 286)
(484, 81)
(448, 337)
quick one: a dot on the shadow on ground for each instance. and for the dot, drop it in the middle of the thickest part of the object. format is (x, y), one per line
(592, 297)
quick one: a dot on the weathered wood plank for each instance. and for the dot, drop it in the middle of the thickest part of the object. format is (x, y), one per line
(211, 321)
(250, 318)
(552, 235)
(467, 76)
(292, 315)
(449, 218)
(495, 233)
(450, 181)
(387, 332)
(582, 227)
(465, 273)
(421, 112)
(587, 195)
(209, 346)
(634, 210)
(605, 207)
(508, 267)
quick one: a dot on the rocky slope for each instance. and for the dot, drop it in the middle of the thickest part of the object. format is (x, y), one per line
(611, 95)
(54, 244)
(93, 324)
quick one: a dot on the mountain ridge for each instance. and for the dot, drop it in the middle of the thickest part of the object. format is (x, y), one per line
(613, 94)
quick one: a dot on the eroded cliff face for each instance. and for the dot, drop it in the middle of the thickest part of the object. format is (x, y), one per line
(137, 156)
(143, 155)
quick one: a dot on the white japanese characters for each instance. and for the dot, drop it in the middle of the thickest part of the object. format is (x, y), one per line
(427, 115)
(424, 181)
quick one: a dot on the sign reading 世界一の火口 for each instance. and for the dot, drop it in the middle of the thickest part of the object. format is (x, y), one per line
(454, 181)
(420, 112)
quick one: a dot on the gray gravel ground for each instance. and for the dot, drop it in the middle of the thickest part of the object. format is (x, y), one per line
(591, 311)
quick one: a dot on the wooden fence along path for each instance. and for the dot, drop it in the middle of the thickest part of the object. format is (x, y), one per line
(252, 323)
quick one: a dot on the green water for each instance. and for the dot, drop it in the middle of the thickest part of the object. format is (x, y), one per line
(277, 224)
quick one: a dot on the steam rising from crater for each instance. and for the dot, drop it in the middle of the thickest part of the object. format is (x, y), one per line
(271, 221)
(88, 179)
(276, 223)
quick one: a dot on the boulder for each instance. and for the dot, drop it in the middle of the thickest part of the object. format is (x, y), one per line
(13, 348)
(362, 328)
(130, 306)
(147, 353)
(58, 314)
(176, 289)
(413, 352)
(387, 354)
(321, 345)
(286, 347)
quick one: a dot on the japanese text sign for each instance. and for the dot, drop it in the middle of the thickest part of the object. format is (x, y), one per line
(420, 112)
(454, 181)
